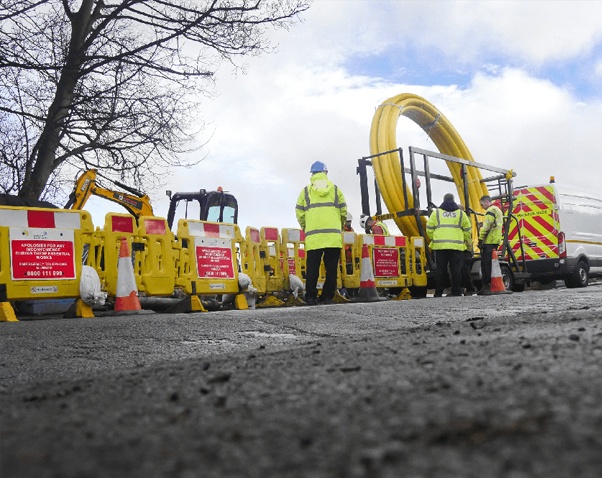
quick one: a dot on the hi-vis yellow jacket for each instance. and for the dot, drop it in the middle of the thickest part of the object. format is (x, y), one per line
(448, 230)
(491, 230)
(321, 212)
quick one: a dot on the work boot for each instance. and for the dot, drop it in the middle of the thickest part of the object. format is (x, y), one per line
(485, 290)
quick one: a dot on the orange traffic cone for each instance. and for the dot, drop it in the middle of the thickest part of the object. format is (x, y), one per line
(127, 292)
(368, 292)
(497, 282)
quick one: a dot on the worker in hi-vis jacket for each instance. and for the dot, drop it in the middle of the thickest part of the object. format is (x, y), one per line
(490, 237)
(449, 229)
(321, 212)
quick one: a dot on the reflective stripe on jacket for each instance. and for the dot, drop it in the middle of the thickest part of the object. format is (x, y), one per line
(321, 212)
(491, 230)
(448, 230)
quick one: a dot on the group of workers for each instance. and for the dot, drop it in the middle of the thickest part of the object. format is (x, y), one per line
(450, 232)
(322, 213)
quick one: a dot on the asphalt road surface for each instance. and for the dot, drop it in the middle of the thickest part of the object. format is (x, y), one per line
(501, 386)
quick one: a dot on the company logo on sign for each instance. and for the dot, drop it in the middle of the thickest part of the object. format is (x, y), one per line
(51, 289)
(386, 283)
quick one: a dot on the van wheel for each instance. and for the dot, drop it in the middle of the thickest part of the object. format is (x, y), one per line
(507, 277)
(579, 277)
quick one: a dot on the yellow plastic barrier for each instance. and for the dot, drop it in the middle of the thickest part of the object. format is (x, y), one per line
(417, 261)
(157, 257)
(293, 241)
(390, 257)
(387, 168)
(210, 255)
(41, 254)
(351, 271)
(108, 245)
(253, 259)
(271, 246)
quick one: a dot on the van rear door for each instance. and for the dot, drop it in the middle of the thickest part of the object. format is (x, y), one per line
(533, 236)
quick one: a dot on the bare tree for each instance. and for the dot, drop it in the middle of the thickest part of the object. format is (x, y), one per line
(114, 85)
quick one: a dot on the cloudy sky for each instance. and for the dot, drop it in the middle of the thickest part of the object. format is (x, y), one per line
(521, 81)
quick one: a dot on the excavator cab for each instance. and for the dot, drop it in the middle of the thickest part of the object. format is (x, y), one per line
(215, 206)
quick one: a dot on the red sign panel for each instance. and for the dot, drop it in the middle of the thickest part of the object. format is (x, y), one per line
(386, 261)
(42, 259)
(214, 262)
(122, 224)
(154, 226)
(40, 219)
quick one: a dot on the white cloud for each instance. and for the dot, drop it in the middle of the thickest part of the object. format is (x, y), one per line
(299, 105)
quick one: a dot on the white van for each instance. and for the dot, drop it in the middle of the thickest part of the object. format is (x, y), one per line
(556, 233)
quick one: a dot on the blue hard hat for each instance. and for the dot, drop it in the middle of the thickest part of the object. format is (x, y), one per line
(318, 167)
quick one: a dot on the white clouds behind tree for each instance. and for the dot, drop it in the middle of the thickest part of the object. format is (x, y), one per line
(114, 86)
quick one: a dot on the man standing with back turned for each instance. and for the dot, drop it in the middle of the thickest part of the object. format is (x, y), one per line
(490, 237)
(321, 212)
(448, 228)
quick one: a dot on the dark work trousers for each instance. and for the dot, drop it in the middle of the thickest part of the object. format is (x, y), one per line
(331, 264)
(443, 258)
(486, 253)
(466, 279)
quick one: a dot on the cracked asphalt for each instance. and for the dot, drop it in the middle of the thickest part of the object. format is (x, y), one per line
(501, 386)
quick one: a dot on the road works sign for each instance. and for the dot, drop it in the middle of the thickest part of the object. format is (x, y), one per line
(386, 262)
(42, 243)
(214, 259)
(42, 254)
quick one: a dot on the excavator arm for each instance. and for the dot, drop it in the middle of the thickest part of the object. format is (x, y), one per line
(135, 202)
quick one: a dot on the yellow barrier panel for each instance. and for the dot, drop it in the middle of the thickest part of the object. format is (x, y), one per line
(253, 259)
(157, 257)
(417, 261)
(211, 255)
(274, 257)
(42, 253)
(389, 256)
(293, 242)
(107, 249)
(351, 260)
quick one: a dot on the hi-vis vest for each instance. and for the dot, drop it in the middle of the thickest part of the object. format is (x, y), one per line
(383, 227)
(491, 230)
(448, 230)
(321, 213)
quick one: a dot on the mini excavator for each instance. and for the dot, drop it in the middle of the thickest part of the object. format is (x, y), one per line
(216, 206)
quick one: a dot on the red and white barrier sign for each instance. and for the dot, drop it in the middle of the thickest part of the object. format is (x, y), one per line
(292, 268)
(42, 254)
(214, 258)
(386, 261)
(393, 241)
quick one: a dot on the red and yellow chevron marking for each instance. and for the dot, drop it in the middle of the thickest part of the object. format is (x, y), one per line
(538, 220)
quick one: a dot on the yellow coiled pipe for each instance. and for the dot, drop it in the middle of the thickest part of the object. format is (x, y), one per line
(387, 169)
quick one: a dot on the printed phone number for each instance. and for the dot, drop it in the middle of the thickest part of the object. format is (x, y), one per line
(43, 273)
